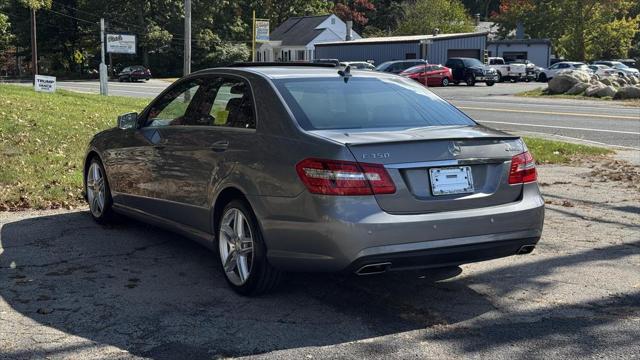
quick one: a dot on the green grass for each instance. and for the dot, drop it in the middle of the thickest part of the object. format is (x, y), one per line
(559, 152)
(43, 138)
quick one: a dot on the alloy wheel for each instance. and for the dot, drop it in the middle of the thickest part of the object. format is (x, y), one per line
(95, 189)
(235, 241)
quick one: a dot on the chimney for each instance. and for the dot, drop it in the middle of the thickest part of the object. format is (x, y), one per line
(519, 30)
(476, 17)
(349, 25)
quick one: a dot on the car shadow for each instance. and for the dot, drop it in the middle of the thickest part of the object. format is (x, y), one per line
(158, 295)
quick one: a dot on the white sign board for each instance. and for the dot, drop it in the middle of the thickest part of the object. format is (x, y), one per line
(262, 30)
(121, 44)
(45, 83)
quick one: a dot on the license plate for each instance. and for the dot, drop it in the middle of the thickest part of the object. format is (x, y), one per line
(451, 180)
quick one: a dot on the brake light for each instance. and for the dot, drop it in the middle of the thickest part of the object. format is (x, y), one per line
(523, 169)
(337, 177)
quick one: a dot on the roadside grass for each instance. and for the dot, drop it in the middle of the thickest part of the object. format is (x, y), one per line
(560, 152)
(43, 138)
(539, 92)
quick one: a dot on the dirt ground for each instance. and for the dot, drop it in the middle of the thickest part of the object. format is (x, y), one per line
(72, 289)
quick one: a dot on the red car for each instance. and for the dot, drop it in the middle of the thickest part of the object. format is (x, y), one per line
(430, 75)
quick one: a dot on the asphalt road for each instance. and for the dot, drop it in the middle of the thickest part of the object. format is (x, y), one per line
(70, 288)
(594, 121)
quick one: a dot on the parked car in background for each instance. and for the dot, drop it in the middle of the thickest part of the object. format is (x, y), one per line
(430, 75)
(532, 70)
(359, 65)
(629, 62)
(335, 62)
(398, 66)
(508, 72)
(471, 71)
(134, 73)
(549, 73)
(256, 166)
(623, 70)
(603, 70)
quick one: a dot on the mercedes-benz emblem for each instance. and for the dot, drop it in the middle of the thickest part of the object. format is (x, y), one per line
(454, 148)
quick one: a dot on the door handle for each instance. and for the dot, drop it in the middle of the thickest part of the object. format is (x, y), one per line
(221, 145)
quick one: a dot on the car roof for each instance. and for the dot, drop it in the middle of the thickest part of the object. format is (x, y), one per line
(282, 72)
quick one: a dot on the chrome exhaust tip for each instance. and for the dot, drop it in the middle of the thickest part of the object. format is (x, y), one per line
(525, 249)
(371, 269)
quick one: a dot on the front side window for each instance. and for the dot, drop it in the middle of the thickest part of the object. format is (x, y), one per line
(366, 102)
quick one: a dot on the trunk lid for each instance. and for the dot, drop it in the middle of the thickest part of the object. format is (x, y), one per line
(410, 154)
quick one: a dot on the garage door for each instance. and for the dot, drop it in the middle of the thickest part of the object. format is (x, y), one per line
(468, 53)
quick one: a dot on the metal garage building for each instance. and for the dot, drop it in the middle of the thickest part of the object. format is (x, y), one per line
(538, 51)
(435, 48)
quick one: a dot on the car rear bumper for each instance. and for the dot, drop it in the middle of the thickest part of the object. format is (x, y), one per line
(325, 233)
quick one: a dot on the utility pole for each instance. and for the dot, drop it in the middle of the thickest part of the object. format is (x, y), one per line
(34, 44)
(187, 38)
(104, 77)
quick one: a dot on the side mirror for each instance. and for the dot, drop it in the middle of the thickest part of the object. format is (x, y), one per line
(128, 121)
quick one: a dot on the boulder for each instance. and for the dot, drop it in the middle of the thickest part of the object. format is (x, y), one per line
(559, 84)
(621, 82)
(578, 88)
(628, 92)
(600, 90)
(632, 80)
(607, 81)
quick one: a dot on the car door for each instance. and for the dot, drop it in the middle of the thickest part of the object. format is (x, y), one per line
(195, 154)
(135, 168)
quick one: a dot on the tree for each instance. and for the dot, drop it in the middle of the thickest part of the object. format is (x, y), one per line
(357, 11)
(424, 16)
(6, 37)
(579, 29)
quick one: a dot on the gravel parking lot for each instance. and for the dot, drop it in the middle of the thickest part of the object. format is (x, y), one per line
(72, 289)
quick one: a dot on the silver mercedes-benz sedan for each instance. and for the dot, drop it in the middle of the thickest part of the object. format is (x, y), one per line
(305, 167)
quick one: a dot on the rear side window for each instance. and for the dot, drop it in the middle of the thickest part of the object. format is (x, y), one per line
(366, 102)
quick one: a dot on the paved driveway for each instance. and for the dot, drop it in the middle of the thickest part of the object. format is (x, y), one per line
(72, 289)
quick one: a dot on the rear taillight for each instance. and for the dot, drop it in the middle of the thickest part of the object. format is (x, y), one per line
(523, 169)
(337, 177)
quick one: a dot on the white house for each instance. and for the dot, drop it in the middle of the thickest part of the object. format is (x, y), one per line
(295, 39)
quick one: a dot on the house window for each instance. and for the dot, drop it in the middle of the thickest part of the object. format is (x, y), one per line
(333, 21)
(259, 56)
(300, 55)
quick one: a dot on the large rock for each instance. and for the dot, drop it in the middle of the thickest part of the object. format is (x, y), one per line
(628, 92)
(600, 90)
(560, 83)
(607, 80)
(578, 88)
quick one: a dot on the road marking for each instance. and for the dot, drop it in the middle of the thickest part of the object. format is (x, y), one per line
(607, 106)
(561, 127)
(579, 139)
(552, 113)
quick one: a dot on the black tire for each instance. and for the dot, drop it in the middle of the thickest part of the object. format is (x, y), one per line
(106, 215)
(470, 80)
(262, 277)
(499, 77)
(490, 83)
(445, 81)
(543, 77)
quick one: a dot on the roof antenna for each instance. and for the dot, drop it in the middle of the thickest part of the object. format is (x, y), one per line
(346, 73)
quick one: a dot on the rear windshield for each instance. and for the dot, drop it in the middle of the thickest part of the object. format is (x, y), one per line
(366, 102)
